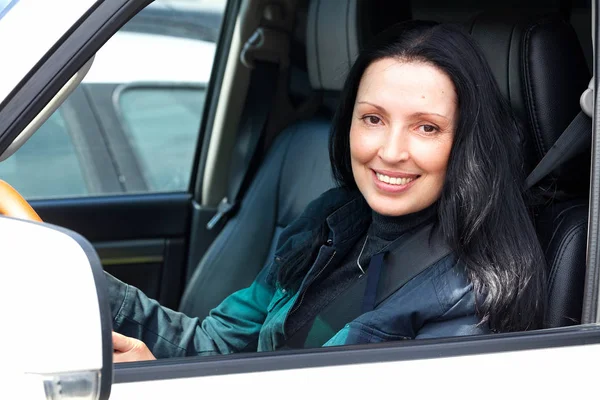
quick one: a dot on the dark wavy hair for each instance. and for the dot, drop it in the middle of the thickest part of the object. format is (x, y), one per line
(482, 209)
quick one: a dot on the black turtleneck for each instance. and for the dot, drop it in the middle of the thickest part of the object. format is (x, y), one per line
(382, 231)
(385, 229)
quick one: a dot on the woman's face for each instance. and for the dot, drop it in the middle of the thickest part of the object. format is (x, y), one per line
(401, 135)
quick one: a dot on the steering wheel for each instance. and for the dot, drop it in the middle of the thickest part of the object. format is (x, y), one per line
(12, 204)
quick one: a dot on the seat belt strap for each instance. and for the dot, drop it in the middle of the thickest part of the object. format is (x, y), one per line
(267, 58)
(373, 276)
(259, 99)
(573, 141)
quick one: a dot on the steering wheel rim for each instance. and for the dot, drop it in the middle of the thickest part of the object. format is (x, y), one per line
(12, 204)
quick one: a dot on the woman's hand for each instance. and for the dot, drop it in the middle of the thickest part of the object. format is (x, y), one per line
(127, 349)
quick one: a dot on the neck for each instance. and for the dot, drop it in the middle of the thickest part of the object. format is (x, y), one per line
(390, 227)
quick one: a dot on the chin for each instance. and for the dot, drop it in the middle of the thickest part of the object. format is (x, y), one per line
(389, 210)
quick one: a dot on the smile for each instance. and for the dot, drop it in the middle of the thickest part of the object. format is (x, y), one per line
(394, 181)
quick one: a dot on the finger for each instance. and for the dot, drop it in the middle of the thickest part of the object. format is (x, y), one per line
(123, 357)
(122, 343)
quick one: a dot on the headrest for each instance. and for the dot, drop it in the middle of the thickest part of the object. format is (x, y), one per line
(338, 29)
(541, 69)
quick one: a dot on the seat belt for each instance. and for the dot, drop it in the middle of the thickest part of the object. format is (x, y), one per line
(266, 53)
(388, 272)
(573, 141)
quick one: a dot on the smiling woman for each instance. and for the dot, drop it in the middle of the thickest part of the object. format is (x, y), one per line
(447, 124)
(401, 135)
(412, 106)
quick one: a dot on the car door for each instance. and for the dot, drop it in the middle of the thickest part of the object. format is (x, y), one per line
(145, 228)
(115, 162)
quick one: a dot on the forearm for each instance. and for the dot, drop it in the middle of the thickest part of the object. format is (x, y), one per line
(231, 327)
(167, 333)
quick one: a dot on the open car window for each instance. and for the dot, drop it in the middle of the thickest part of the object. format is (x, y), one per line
(128, 158)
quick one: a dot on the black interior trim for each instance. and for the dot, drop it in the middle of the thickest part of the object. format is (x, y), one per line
(348, 355)
(121, 217)
(131, 252)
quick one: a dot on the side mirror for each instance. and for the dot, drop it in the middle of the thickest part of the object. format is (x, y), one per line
(56, 320)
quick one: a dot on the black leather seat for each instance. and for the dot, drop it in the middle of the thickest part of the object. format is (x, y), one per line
(540, 69)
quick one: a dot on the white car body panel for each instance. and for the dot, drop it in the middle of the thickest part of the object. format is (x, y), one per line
(560, 372)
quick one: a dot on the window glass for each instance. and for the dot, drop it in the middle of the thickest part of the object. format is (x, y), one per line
(134, 124)
(47, 165)
(162, 126)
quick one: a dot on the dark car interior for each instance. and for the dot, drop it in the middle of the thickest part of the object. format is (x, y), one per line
(541, 68)
(541, 56)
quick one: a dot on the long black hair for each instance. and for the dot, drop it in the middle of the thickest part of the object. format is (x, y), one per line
(482, 209)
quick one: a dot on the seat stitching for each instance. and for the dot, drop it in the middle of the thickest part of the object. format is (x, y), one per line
(568, 238)
(541, 148)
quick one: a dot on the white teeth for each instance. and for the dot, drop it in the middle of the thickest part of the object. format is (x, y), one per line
(393, 181)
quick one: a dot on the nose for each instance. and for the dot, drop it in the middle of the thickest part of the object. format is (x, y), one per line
(395, 147)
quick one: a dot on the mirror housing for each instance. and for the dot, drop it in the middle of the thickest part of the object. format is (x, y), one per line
(56, 317)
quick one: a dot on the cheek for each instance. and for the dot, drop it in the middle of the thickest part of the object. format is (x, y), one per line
(357, 149)
(363, 145)
(433, 157)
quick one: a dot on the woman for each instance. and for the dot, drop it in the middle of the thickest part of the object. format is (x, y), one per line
(422, 142)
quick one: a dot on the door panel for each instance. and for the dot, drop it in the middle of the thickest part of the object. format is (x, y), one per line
(131, 260)
(536, 365)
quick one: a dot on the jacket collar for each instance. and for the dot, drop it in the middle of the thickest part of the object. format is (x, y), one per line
(350, 219)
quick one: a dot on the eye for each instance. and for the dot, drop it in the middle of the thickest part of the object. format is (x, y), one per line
(371, 119)
(428, 129)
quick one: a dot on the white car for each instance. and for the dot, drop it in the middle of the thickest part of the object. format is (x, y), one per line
(156, 122)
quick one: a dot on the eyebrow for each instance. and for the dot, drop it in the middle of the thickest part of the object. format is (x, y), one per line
(418, 114)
